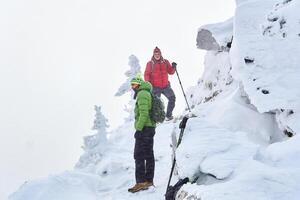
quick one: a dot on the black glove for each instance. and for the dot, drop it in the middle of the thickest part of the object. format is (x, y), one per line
(174, 65)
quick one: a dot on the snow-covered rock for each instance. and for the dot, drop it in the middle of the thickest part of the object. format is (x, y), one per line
(265, 56)
(214, 79)
(272, 174)
(215, 36)
(265, 64)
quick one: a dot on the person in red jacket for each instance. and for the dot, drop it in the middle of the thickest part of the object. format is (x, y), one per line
(156, 72)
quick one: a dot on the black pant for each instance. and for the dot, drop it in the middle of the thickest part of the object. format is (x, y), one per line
(169, 93)
(143, 155)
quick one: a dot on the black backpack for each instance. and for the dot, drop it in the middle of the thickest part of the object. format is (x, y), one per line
(157, 112)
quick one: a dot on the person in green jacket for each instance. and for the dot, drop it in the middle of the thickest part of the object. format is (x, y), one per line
(145, 131)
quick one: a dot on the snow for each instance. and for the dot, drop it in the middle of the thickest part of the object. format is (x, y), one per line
(270, 175)
(63, 186)
(112, 176)
(236, 147)
(268, 83)
(214, 80)
(205, 146)
(271, 39)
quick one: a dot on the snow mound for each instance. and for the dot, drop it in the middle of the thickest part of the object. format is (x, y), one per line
(212, 150)
(272, 174)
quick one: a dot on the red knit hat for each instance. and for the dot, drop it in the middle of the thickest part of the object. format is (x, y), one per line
(157, 50)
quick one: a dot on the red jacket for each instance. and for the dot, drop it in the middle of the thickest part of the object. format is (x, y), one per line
(158, 75)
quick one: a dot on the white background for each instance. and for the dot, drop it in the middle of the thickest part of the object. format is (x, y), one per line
(59, 58)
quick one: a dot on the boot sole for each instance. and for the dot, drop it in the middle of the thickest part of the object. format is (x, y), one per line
(134, 191)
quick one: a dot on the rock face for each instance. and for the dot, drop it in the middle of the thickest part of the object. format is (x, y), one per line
(248, 105)
(215, 37)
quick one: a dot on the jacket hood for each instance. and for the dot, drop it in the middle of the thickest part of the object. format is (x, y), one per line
(145, 85)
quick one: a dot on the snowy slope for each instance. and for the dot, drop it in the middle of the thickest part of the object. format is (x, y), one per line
(114, 173)
(69, 185)
(246, 102)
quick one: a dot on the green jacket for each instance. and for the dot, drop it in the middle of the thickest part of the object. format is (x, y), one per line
(143, 106)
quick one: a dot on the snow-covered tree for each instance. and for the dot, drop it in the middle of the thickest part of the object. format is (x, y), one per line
(94, 145)
(100, 122)
(135, 69)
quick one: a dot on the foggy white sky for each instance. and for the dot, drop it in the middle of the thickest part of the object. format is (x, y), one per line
(59, 58)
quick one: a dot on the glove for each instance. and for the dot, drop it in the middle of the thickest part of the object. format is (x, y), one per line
(174, 65)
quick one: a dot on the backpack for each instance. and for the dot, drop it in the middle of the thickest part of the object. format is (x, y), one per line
(157, 112)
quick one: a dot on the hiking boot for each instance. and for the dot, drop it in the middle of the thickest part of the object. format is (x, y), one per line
(148, 184)
(138, 187)
(169, 118)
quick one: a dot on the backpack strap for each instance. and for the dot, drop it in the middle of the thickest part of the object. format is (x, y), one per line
(151, 69)
(152, 64)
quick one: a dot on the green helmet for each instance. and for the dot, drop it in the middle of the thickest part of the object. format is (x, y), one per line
(137, 80)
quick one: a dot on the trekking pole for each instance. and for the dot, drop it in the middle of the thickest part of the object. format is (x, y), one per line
(171, 173)
(182, 126)
(182, 90)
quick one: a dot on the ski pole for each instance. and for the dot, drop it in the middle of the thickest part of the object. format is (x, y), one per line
(171, 173)
(182, 90)
(182, 126)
